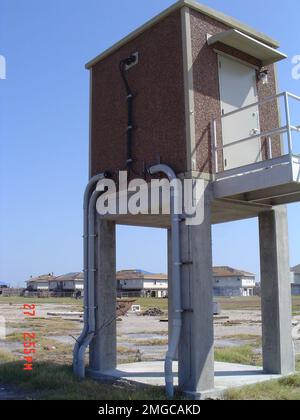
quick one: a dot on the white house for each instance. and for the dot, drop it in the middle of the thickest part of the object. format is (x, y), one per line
(142, 283)
(68, 282)
(71, 282)
(39, 283)
(230, 282)
(295, 280)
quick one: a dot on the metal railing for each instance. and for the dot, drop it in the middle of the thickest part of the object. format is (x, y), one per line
(287, 129)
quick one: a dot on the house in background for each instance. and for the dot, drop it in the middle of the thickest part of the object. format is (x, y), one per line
(70, 282)
(66, 284)
(227, 282)
(142, 283)
(230, 282)
(295, 280)
(39, 283)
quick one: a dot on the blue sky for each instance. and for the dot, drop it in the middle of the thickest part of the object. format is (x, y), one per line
(44, 131)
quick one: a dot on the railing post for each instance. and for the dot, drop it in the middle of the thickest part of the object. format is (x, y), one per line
(214, 144)
(288, 122)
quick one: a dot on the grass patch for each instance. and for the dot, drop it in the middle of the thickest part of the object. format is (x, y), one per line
(126, 350)
(296, 303)
(252, 340)
(298, 363)
(21, 300)
(152, 342)
(52, 326)
(147, 303)
(15, 337)
(49, 350)
(245, 303)
(6, 356)
(55, 382)
(46, 349)
(250, 303)
(244, 355)
(283, 389)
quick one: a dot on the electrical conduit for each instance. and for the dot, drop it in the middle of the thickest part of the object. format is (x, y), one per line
(176, 280)
(78, 361)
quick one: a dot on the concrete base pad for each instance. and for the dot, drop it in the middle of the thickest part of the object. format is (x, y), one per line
(227, 376)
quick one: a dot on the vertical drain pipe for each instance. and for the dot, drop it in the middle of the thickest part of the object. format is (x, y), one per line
(87, 196)
(176, 281)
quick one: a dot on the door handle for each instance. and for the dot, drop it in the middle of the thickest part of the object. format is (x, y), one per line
(254, 131)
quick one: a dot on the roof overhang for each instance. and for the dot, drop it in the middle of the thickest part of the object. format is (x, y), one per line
(245, 43)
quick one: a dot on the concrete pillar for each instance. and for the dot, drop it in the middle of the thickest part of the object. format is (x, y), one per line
(278, 354)
(103, 349)
(196, 348)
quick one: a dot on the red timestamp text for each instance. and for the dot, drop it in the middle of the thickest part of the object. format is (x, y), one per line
(29, 340)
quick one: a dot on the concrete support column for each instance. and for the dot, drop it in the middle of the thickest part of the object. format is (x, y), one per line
(196, 347)
(103, 349)
(278, 354)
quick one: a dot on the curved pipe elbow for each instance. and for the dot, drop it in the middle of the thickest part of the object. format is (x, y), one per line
(80, 366)
(163, 169)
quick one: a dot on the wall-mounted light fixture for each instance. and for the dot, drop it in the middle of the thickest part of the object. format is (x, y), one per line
(262, 76)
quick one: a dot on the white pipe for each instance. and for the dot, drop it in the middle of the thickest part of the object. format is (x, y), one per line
(87, 195)
(91, 285)
(176, 281)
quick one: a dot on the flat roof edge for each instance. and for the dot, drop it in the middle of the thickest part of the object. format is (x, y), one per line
(219, 16)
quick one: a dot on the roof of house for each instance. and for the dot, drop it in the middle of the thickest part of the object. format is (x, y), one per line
(296, 269)
(229, 21)
(70, 276)
(140, 274)
(135, 274)
(230, 272)
(44, 278)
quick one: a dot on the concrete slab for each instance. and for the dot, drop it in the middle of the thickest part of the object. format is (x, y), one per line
(227, 375)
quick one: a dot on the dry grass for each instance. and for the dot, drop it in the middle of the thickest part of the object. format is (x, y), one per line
(250, 303)
(125, 350)
(52, 326)
(283, 389)
(252, 340)
(244, 355)
(6, 356)
(152, 342)
(21, 300)
(147, 303)
(49, 381)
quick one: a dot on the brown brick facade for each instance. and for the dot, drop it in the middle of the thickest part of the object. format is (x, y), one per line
(159, 112)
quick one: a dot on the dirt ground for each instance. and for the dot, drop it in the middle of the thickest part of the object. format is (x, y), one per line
(139, 337)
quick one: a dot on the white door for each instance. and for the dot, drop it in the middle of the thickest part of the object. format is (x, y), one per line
(237, 90)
